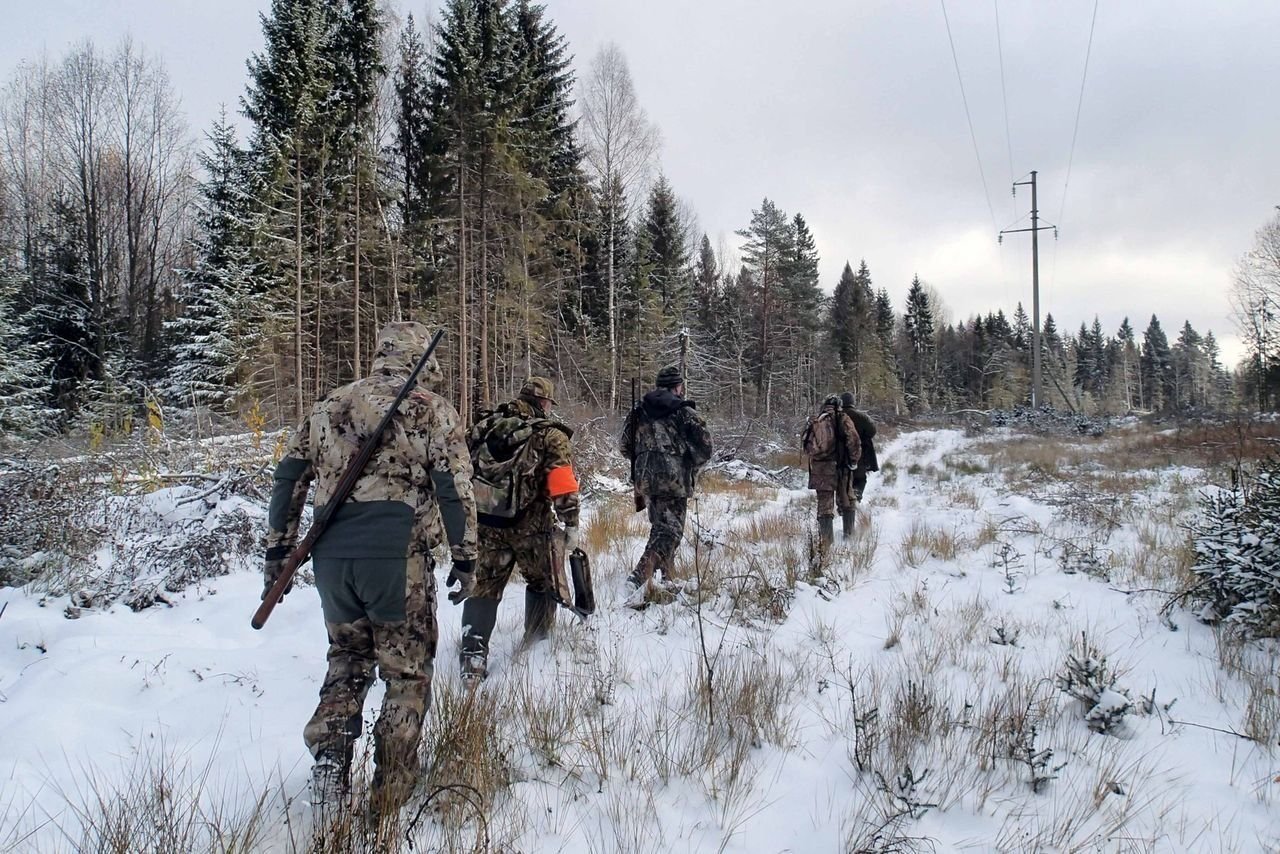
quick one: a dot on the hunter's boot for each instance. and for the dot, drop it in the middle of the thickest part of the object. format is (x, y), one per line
(330, 787)
(638, 582)
(826, 531)
(847, 518)
(539, 616)
(645, 568)
(478, 619)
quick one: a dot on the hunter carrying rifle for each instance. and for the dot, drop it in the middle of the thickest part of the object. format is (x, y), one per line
(831, 443)
(409, 487)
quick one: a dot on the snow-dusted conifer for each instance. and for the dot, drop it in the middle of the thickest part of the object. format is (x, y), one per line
(1237, 545)
(213, 340)
(24, 380)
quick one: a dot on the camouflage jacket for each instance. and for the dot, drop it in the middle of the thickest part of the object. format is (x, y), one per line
(415, 490)
(549, 473)
(822, 472)
(667, 442)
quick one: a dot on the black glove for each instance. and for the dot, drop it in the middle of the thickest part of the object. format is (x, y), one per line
(462, 573)
(272, 567)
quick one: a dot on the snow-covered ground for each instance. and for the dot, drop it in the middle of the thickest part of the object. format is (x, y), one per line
(906, 695)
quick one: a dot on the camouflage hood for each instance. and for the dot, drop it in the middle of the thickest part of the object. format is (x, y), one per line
(662, 402)
(400, 346)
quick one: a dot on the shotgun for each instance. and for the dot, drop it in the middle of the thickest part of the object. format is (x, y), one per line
(302, 552)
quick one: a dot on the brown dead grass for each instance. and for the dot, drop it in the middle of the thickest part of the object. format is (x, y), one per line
(615, 520)
(1201, 445)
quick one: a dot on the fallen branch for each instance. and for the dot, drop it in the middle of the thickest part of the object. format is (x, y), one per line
(1215, 729)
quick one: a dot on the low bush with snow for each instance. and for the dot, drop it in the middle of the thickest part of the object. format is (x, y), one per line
(1237, 546)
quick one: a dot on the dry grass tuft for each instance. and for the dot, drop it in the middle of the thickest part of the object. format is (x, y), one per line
(923, 541)
(614, 520)
(466, 745)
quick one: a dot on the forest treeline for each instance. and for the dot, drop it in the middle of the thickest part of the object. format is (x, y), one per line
(465, 172)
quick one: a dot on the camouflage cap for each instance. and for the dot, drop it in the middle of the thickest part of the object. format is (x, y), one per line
(538, 387)
(832, 401)
(669, 377)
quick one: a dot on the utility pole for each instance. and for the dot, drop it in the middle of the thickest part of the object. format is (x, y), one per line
(1035, 229)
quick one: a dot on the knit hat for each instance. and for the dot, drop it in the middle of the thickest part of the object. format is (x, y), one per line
(847, 398)
(538, 387)
(669, 377)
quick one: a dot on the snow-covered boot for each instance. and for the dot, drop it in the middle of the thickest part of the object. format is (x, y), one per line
(330, 787)
(539, 615)
(478, 619)
(639, 583)
(847, 519)
(645, 569)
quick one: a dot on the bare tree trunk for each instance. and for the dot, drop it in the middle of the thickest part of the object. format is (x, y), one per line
(297, 295)
(356, 364)
(464, 346)
(613, 325)
(485, 395)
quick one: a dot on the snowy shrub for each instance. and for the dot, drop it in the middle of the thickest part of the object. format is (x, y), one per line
(1084, 557)
(67, 529)
(1087, 677)
(1237, 553)
(38, 505)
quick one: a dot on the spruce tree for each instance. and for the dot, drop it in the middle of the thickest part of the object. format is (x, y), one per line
(1156, 367)
(419, 167)
(216, 334)
(667, 257)
(24, 384)
(919, 351)
(1189, 369)
(766, 253)
(1022, 331)
(706, 284)
(840, 328)
(62, 315)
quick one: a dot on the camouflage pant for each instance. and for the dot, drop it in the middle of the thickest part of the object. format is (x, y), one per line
(402, 651)
(503, 549)
(666, 529)
(841, 497)
(847, 491)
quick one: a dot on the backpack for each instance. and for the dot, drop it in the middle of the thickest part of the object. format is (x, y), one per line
(820, 437)
(501, 464)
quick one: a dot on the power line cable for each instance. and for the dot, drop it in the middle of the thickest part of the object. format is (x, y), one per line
(1075, 132)
(1008, 138)
(1004, 94)
(969, 118)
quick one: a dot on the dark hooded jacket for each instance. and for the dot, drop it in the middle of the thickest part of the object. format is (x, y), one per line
(667, 442)
(866, 432)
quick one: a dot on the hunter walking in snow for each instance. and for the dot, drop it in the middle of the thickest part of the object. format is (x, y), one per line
(832, 445)
(524, 483)
(373, 565)
(667, 443)
(866, 462)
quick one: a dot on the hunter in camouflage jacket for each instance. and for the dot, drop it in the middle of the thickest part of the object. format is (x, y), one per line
(373, 565)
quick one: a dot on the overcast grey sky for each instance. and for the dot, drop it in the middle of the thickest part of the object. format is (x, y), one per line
(849, 112)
